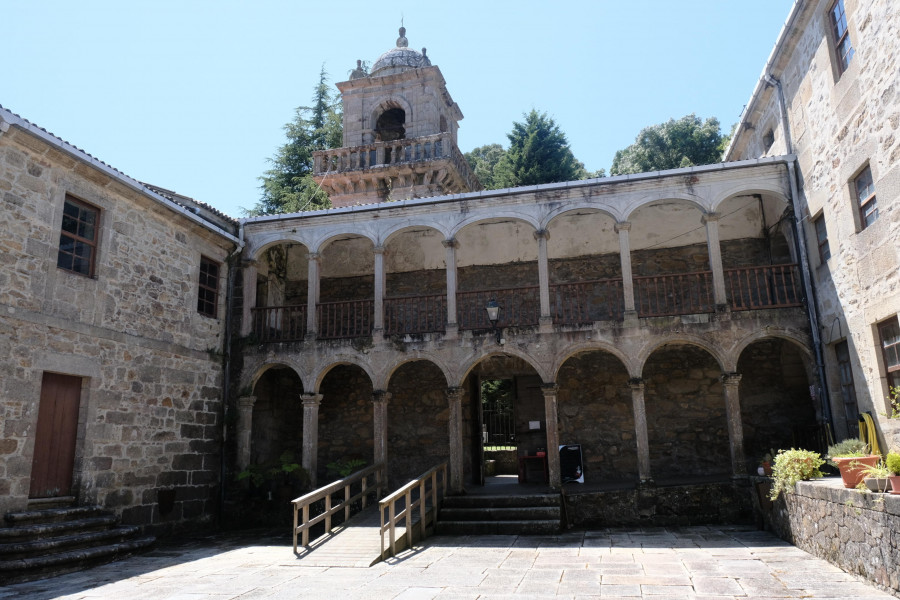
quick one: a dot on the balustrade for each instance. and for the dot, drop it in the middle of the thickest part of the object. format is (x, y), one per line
(279, 323)
(519, 306)
(680, 294)
(347, 319)
(587, 301)
(417, 149)
(415, 314)
(772, 286)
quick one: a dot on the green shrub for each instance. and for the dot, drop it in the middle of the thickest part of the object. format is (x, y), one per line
(893, 462)
(849, 448)
(792, 466)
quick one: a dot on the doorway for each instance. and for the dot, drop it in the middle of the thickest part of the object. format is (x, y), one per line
(55, 438)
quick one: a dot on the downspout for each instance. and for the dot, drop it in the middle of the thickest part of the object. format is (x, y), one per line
(226, 365)
(800, 243)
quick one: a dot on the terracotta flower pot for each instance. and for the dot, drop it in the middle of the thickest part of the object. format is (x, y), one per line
(895, 484)
(852, 469)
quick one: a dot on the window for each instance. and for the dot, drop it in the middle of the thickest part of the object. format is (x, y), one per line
(768, 141)
(822, 239)
(842, 46)
(865, 197)
(889, 332)
(848, 389)
(208, 297)
(78, 237)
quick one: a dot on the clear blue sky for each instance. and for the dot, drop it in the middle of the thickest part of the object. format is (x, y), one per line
(192, 95)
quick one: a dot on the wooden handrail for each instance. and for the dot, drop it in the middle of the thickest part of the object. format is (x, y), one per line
(302, 504)
(405, 493)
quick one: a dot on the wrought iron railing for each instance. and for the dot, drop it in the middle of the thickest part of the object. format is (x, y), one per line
(415, 314)
(279, 323)
(587, 301)
(772, 286)
(680, 294)
(347, 319)
(518, 306)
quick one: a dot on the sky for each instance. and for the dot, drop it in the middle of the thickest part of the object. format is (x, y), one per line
(193, 95)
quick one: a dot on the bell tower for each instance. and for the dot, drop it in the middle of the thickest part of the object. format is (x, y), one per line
(400, 127)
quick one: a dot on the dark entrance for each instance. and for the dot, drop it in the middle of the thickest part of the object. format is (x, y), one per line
(54, 444)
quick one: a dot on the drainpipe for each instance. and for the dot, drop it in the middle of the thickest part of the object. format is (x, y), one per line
(800, 243)
(226, 364)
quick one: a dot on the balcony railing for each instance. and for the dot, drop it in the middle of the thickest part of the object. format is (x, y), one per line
(518, 307)
(774, 286)
(681, 294)
(347, 319)
(415, 314)
(748, 288)
(279, 323)
(587, 301)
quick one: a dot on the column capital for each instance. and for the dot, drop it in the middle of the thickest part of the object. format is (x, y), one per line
(247, 262)
(378, 250)
(450, 243)
(454, 393)
(549, 389)
(311, 399)
(381, 396)
(541, 234)
(622, 226)
(730, 379)
(710, 218)
(636, 383)
(246, 401)
(315, 256)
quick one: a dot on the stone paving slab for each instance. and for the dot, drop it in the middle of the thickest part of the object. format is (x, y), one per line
(699, 563)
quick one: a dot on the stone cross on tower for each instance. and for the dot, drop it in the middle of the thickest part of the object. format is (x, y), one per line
(400, 127)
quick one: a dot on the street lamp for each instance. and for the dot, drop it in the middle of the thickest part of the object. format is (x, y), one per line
(493, 311)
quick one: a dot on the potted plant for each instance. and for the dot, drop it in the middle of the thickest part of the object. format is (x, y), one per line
(851, 457)
(876, 478)
(892, 461)
(792, 466)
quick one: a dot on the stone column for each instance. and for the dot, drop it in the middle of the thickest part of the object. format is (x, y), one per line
(312, 294)
(454, 398)
(249, 276)
(711, 221)
(378, 324)
(311, 434)
(550, 391)
(380, 400)
(245, 430)
(625, 259)
(730, 385)
(640, 429)
(450, 259)
(542, 235)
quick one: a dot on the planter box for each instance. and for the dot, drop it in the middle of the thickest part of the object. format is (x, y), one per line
(853, 469)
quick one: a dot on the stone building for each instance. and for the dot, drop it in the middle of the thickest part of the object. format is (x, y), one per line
(828, 95)
(656, 320)
(111, 336)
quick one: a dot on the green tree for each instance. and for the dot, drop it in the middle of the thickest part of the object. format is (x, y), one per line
(289, 186)
(671, 145)
(538, 153)
(483, 160)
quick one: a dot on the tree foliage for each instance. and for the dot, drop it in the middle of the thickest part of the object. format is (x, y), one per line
(538, 153)
(289, 186)
(685, 142)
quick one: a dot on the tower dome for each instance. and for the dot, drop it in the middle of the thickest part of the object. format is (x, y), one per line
(399, 59)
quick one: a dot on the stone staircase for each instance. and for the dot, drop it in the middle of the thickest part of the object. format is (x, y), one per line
(56, 537)
(532, 514)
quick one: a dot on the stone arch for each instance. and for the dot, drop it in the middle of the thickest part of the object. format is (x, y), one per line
(595, 410)
(262, 243)
(799, 340)
(415, 266)
(276, 425)
(682, 339)
(252, 372)
(346, 427)
(387, 374)
(744, 189)
(563, 209)
(656, 200)
(500, 214)
(342, 359)
(386, 103)
(466, 368)
(632, 366)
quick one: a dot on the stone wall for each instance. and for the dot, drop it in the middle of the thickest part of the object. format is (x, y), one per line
(151, 367)
(346, 425)
(277, 417)
(858, 532)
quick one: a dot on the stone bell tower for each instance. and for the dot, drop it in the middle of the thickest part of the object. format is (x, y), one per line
(400, 126)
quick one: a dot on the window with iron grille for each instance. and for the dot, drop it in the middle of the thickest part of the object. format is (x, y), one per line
(208, 296)
(822, 239)
(78, 237)
(842, 46)
(865, 197)
(889, 332)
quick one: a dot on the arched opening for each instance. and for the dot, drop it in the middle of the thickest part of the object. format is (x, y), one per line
(418, 421)
(390, 125)
(416, 287)
(346, 288)
(282, 276)
(346, 421)
(504, 404)
(596, 412)
(686, 419)
(777, 411)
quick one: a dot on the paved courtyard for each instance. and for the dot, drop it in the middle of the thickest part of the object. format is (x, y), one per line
(657, 563)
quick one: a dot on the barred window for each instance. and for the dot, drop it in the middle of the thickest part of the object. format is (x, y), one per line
(78, 237)
(208, 295)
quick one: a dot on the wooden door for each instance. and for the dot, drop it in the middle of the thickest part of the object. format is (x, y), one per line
(54, 444)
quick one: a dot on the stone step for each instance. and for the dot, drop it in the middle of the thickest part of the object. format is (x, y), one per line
(521, 513)
(476, 501)
(34, 531)
(527, 527)
(29, 569)
(74, 541)
(52, 514)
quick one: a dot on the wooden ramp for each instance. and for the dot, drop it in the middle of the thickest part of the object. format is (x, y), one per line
(356, 543)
